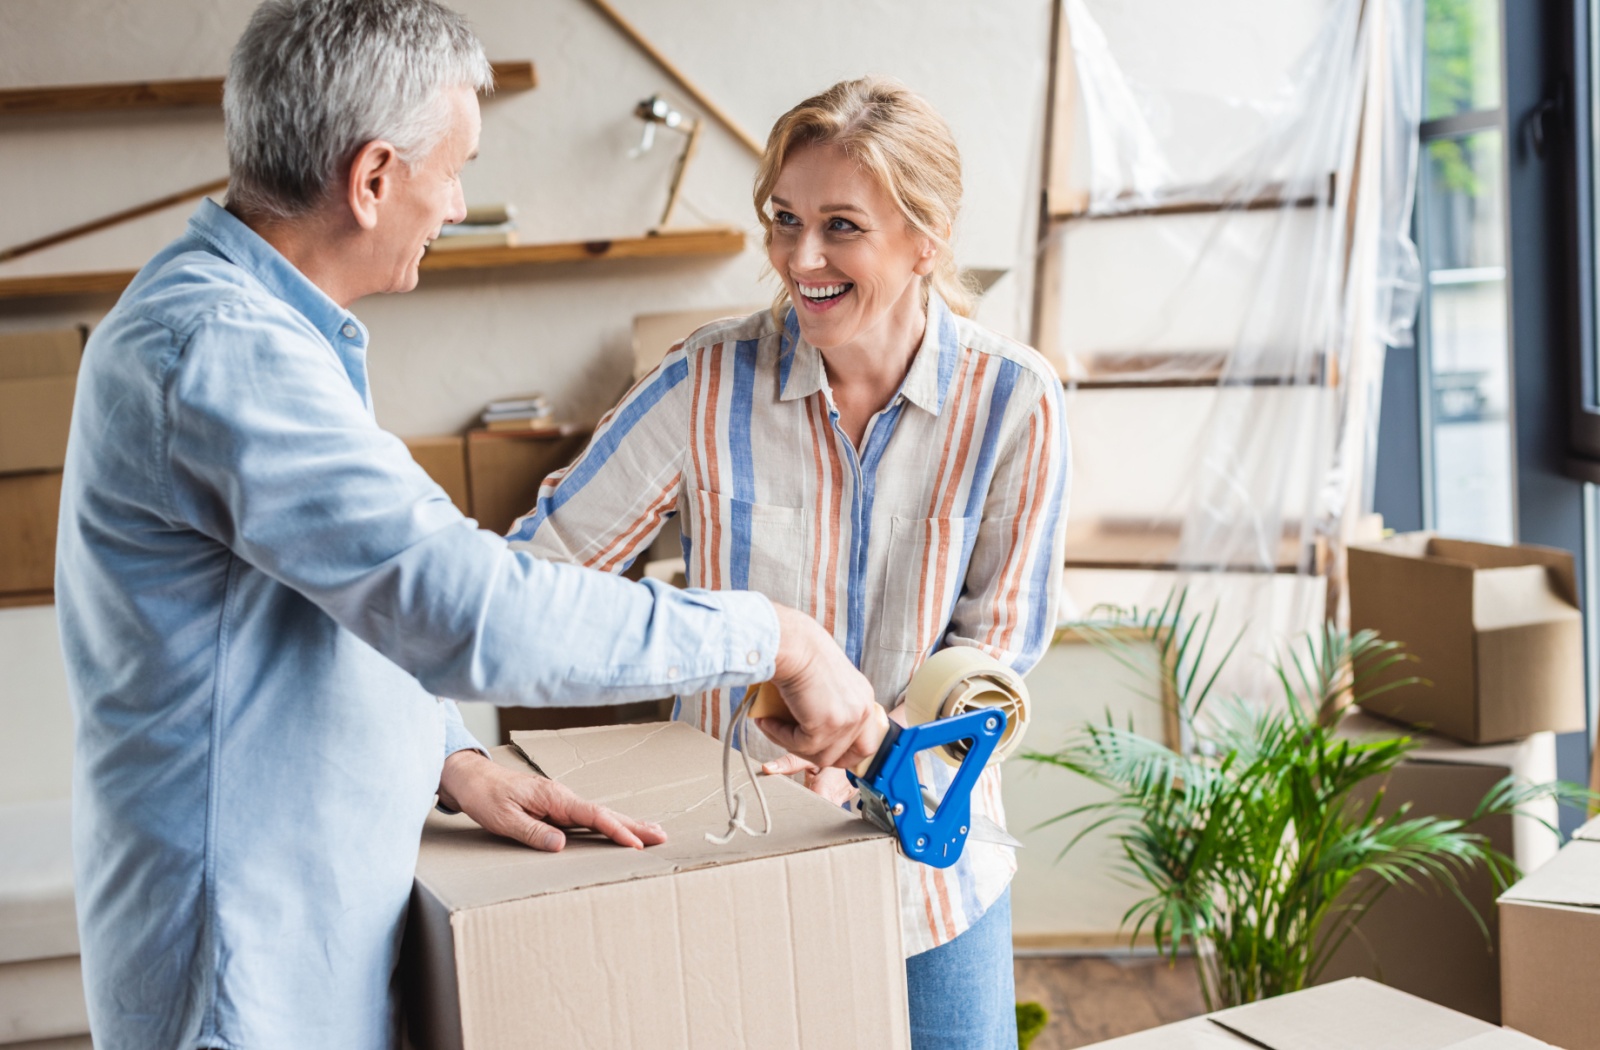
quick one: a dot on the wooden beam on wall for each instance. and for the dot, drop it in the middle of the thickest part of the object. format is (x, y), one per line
(175, 94)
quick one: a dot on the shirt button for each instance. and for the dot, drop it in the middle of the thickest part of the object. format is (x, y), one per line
(672, 672)
(753, 656)
(349, 331)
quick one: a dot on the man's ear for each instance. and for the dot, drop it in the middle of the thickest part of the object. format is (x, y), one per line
(371, 181)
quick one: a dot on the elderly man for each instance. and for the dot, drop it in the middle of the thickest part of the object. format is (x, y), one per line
(260, 593)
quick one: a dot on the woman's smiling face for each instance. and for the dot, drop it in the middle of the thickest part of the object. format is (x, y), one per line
(850, 260)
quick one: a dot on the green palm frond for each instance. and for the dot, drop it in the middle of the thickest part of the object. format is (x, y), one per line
(1265, 843)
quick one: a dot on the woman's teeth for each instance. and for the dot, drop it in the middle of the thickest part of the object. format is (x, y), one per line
(826, 291)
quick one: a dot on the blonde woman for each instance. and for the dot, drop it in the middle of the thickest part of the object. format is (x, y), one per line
(865, 453)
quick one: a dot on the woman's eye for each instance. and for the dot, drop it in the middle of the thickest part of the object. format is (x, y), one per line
(783, 218)
(842, 226)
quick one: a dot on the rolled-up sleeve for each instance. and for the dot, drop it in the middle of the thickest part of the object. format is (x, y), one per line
(271, 451)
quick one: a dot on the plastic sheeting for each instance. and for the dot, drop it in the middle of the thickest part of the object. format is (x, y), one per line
(1221, 308)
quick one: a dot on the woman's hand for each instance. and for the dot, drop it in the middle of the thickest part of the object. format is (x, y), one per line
(830, 782)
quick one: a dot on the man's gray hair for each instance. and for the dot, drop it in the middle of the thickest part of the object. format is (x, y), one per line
(312, 81)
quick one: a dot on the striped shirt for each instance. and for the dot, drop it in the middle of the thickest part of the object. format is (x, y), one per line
(945, 528)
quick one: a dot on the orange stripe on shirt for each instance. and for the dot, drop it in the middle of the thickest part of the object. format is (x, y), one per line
(1011, 579)
(835, 504)
(821, 593)
(940, 484)
(628, 539)
(1037, 444)
(969, 423)
(713, 466)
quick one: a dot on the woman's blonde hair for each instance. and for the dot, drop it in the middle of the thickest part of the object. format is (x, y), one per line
(895, 136)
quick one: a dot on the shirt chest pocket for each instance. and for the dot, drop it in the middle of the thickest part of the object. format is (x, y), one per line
(926, 564)
(739, 545)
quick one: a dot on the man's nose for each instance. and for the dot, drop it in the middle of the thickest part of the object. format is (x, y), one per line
(458, 204)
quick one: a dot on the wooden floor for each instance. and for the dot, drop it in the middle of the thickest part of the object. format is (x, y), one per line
(1091, 998)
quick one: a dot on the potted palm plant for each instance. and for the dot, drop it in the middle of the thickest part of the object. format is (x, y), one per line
(1267, 823)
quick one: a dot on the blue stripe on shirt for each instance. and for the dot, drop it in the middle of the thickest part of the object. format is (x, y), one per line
(1040, 632)
(744, 468)
(861, 536)
(602, 448)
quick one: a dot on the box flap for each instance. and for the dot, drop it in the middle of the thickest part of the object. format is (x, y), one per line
(667, 772)
(1358, 725)
(1518, 596)
(1197, 1033)
(1558, 562)
(40, 355)
(1401, 545)
(1350, 1013)
(1571, 877)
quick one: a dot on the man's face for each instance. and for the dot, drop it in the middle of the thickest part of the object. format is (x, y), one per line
(425, 197)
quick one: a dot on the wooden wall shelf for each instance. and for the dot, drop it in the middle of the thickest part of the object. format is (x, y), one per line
(673, 246)
(173, 94)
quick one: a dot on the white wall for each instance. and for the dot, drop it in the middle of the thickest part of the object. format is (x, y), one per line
(558, 153)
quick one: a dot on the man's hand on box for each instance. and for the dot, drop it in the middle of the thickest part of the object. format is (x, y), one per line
(532, 809)
(834, 719)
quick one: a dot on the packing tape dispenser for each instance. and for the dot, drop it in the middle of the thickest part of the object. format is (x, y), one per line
(967, 708)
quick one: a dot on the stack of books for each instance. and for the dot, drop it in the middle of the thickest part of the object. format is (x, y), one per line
(486, 226)
(530, 412)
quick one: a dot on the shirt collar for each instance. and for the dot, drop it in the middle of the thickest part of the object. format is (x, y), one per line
(926, 383)
(242, 246)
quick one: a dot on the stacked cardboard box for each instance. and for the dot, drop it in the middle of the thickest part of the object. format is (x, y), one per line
(1550, 946)
(1496, 629)
(1423, 939)
(1498, 639)
(1353, 1014)
(787, 940)
(41, 982)
(38, 374)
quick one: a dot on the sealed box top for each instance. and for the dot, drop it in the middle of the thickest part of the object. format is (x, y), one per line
(1522, 757)
(1351, 1013)
(1571, 878)
(669, 773)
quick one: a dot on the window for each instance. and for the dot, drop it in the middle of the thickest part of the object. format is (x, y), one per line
(1461, 233)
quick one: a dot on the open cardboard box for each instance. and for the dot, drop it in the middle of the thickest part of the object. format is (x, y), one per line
(787, 940)
(1353, 1014)
(1497, 630)
(1550, 946)
(1422, 939)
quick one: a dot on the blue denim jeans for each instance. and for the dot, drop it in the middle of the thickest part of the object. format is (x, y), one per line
(963, 994)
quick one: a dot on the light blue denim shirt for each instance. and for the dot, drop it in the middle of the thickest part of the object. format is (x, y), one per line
(260, 595)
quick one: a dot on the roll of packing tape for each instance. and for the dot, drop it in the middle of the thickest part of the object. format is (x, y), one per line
(959, 679)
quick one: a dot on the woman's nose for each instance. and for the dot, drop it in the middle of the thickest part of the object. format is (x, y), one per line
(808, 253)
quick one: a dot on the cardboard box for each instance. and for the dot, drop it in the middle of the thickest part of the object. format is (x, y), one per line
(505, 470)
(38, 373)
(1550, 947)
(1354, 1014)
(787, 940)
(29, 507)
(445, 460)
(1421, 939)
(1497, 630)
(41, 981)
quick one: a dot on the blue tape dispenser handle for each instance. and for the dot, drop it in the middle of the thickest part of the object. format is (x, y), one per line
(891, 794)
